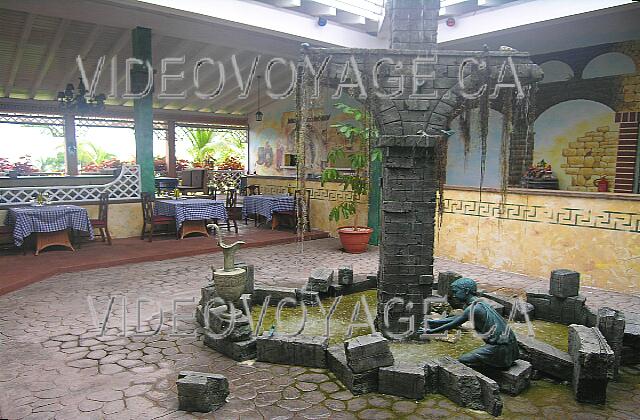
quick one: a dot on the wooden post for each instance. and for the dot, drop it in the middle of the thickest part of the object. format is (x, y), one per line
(171, 149)
(70, 145)
(143, 109)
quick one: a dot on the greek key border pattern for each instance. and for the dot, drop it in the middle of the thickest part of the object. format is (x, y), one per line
(606, 220)
(322, 194)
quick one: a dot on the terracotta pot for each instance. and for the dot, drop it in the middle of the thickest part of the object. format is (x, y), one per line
(355, 241)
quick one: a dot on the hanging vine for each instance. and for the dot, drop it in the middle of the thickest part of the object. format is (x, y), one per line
(507, 121)
(442, 145)
(484, 128)
(464, 124)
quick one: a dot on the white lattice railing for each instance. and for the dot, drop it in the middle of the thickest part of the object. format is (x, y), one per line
(126, 186)
(225, 178)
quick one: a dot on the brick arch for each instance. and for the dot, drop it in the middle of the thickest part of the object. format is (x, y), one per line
(597, 90)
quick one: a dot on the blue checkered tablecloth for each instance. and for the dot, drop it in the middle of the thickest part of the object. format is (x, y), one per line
(265, 205)
(190, 209)
(28, 220)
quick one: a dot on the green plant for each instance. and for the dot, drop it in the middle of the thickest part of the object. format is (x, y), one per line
(52, 163)
(201, 147)
(89, 153)
(359, 130)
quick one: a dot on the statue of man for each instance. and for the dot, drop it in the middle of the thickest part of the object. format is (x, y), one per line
(501, 348)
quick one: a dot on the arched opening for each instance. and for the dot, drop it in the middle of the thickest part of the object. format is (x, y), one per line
(556, 71)
(609, 64)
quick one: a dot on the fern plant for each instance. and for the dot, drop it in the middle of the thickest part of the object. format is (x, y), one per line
(359, 130)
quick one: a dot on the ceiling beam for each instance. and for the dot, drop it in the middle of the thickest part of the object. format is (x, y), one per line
(348, 18)
(318, 9)
(51, 54)
(229, 86)
(17, 59)
(285, 3)
(84, 50)
(188, 76)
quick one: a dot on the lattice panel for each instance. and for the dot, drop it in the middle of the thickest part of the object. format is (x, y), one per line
(226, 178)
(126, 186)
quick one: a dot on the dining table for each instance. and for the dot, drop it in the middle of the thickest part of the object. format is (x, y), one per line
(51, 223)
(191, 214)
(266, 205)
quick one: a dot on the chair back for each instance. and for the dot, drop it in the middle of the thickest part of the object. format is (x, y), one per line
(253, 189)
(103, 209)
(147, 206)
(185, 178)
(231, 199)
(198, 178)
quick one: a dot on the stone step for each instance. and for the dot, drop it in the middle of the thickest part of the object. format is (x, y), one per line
(238, 351)
(201, 392)
(514, 380)
(260, 292)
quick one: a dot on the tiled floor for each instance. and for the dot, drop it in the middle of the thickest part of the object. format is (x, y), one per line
(19, 270)
(55, 366)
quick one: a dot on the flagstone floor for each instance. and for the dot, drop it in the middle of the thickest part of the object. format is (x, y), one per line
(53, 364)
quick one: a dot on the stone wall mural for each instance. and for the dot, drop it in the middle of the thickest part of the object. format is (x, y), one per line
(579, 139)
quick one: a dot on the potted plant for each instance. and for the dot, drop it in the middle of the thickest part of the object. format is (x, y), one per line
(358, 132)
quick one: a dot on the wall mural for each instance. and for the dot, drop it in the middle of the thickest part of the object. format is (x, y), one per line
(272, 144)
(465, 170)
(580, 140)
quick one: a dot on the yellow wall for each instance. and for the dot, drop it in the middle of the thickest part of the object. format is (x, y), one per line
(125, 219)
(598, 237)
(323, 199)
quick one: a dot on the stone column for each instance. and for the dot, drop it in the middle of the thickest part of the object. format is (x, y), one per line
(170, 159)
(414, 24)
(70, 145)
(143, 108)
(408, 213)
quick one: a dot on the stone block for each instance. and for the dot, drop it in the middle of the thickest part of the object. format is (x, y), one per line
(515, 379)
(546, 358)
(320, 280)
(299, 350)
(345, 275)
(277, 293)
(632, 331)
(219, 324)
(611, 324)
(357, 383)
(630, 356)
(593, 363)
(308, 297)
(361, 283)
(368, 352)
(444, 281)
(431, 371)
(564, 283)
(201, 392)
(402, 380)
(250, 276)
(238, 351)
(467, 387)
